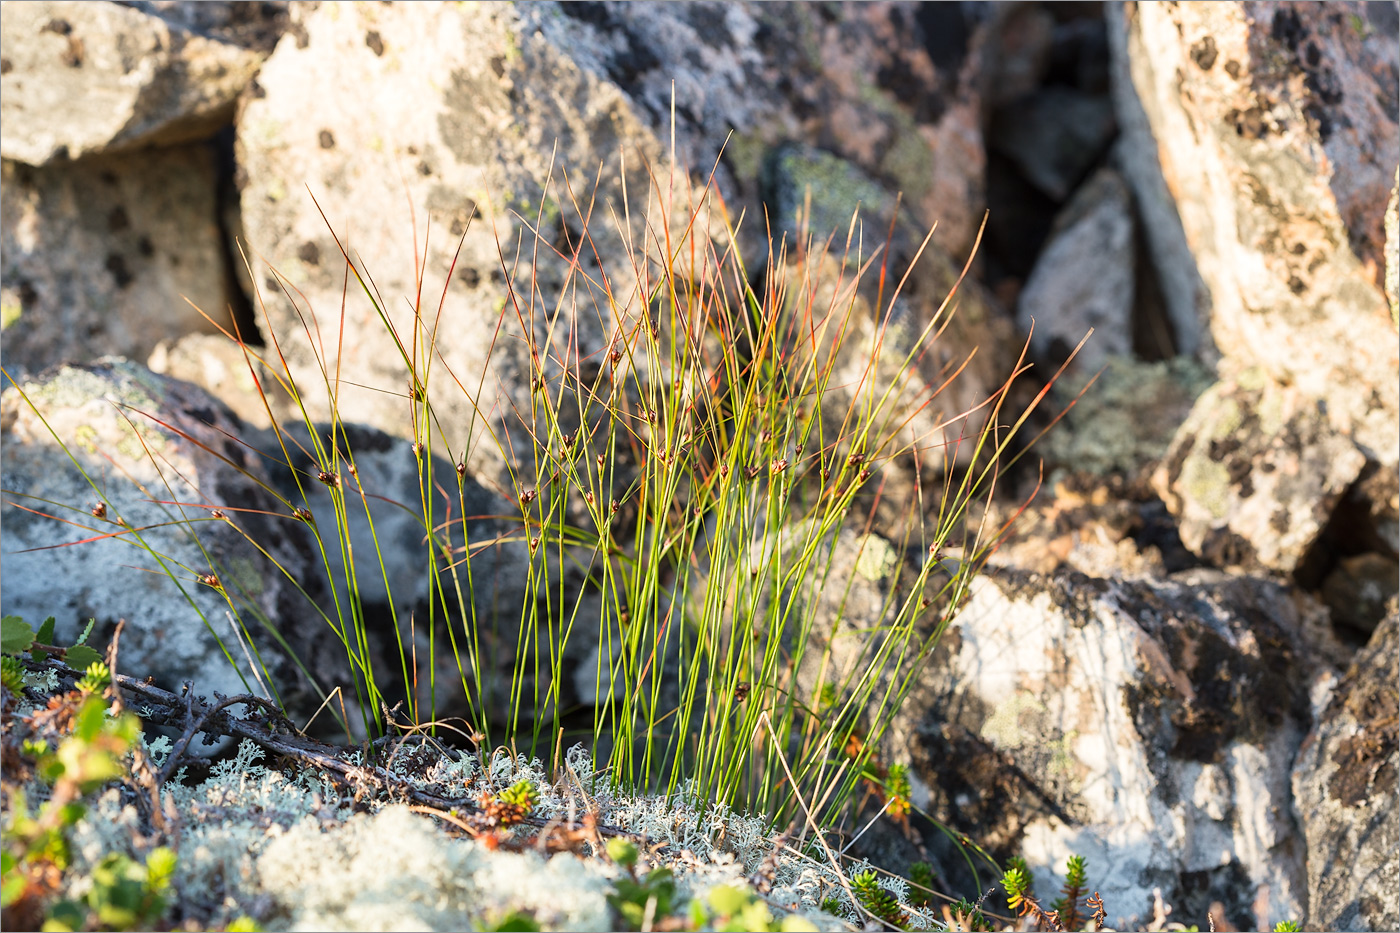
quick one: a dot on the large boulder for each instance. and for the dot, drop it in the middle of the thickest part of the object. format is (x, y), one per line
(123, 489)
(522, 122)
(1344, 785)
(1149, 726)
(1276, 130)
(81, 78)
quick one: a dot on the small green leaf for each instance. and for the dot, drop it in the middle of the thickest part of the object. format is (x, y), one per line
(87, 630)
(622, 852)
(65, 915)
(80, 657)
(15, 635)
(160, 866)
(727, 900)
(13, 887)
(45, 637)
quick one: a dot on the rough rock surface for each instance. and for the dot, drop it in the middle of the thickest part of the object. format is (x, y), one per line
(383, 534)
(1126, 420)
(1148, 726)
(1254, 474)
(515, 94)
(1084, 278)
(1344, 784)
(1277, 131)
(101, 255)
(80, 78)
(103, 415)
(809, 193)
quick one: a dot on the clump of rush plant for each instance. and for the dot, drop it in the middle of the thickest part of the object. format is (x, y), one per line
(696, 469)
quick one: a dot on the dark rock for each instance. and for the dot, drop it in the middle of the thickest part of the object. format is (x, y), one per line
(1344, 783)
(1055, 136)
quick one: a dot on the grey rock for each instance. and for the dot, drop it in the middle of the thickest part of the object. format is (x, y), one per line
(110, 255)
(82, 78)
(1254, 473)
(1392, 250)
(220, 367)
(161, 455)
(1148, 726)
(1344, 784)
(1185, 295)
(826, 214)
(1126, 420)
(1084, 278)
(1020, 43)
(1054, 135)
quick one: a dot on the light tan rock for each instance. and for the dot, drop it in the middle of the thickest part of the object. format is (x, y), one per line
(1277, 136)
(80, 78)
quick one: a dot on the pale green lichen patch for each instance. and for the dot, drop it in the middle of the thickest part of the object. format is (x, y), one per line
(1207, 483)
(877, 559)
(1003, 727)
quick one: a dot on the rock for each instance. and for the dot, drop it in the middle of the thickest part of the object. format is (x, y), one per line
(509, 83)
(177, 628)
(1344, 784)
(255, 26)
(377, 548)
(336, 84)
(1125, 421)
(891, 87)
(1054, 135)
(1020, 45)
(1183, 293)
(1084, 278)
(1148, 726)
(1359, 589)
(81, 78)
(101, 255)
(1254, 474)
(1277, 133)
(1392, 251)
(217, 365)
(1090, 524)
(811, 194)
